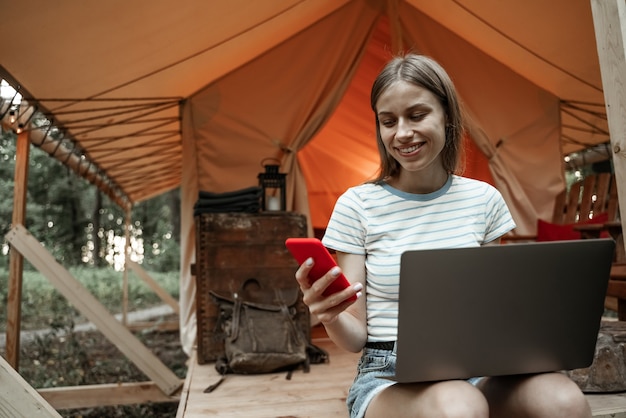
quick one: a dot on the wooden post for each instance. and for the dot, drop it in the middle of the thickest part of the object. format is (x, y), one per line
(16, 261)
(609, 17)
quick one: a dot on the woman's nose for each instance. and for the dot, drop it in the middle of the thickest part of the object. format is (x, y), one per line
(404, 129)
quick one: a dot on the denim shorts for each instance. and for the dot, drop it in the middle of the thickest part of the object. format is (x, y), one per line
(373, 365)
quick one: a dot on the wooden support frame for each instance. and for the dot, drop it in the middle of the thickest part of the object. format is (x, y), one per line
(93, 310)
(609, 17)
(16, 262)
(91, 396)
(161, 293)
(18, 399)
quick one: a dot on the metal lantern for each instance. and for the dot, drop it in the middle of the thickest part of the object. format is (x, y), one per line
(273, 183)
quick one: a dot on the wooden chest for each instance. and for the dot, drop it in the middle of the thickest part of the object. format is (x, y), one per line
(233, 247)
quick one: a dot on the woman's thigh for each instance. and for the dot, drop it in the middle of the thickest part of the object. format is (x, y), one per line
(543, 395)
(453, 398)
(372, 386)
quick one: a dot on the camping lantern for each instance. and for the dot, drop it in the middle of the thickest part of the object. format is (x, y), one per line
(273, 196)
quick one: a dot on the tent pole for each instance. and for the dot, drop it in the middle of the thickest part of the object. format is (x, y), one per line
(16, 260)
(56, 148)
(609, 18)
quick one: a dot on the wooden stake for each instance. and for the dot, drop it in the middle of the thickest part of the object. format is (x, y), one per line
(16, 261)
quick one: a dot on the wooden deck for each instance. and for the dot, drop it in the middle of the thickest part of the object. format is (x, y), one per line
(319, 393)
(608, 406)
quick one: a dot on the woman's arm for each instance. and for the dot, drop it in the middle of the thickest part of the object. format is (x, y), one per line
(345, 321)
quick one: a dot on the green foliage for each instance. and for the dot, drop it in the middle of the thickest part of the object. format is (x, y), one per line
(44, 307)
(77, 224)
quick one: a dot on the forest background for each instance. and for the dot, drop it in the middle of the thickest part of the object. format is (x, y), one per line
(85, 232)
(80, 225)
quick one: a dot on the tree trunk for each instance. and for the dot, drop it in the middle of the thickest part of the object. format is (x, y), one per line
(174, 202)
(98, 257)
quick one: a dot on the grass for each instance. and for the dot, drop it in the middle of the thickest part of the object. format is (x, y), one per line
(43, 306)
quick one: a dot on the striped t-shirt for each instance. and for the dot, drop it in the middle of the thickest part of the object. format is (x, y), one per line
(381, 222)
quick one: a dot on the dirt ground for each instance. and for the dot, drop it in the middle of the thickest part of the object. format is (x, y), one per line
(86, 358)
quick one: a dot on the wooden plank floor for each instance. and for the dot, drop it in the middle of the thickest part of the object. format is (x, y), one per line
(608, 405)
(319, 393)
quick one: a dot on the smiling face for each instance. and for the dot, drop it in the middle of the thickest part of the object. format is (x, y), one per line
(418, 102)
(412, 126)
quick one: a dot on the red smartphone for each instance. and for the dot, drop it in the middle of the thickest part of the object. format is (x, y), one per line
(303, 248)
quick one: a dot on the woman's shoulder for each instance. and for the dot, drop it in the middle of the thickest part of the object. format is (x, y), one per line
(470, 183)
(363, 197)
(363, 191)
(368, 186)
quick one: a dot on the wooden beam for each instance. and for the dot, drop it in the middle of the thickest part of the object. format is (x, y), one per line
(154, 325)
(162, 293)
(184, 392)
(93, 310)
(609, 17)
(18, 399)
(91, 396)
(16, 261)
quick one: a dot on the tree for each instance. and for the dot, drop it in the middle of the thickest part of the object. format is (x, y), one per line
(159, 220)
(80, 225)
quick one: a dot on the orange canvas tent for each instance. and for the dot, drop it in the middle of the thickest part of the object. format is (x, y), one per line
(197, 93)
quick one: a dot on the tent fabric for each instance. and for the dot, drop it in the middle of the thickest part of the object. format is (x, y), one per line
(280, 123)
(196, 94)
(499, 138)
(234, 114)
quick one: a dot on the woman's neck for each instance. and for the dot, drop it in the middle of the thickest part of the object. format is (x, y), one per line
(419, 182)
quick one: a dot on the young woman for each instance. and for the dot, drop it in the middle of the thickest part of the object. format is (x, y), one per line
(417, 202)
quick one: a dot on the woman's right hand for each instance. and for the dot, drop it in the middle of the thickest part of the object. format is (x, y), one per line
(325, 308)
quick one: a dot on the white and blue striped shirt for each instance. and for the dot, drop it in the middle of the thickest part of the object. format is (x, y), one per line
(381, 222)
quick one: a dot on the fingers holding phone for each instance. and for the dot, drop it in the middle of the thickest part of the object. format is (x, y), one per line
(324, 286)
(323, 300)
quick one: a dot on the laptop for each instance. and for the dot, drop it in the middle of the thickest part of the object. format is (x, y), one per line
(501, 309)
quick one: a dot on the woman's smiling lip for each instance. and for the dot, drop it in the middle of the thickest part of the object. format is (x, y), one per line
(407, 150)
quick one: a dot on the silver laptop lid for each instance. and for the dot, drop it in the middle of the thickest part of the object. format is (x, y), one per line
(500, 310)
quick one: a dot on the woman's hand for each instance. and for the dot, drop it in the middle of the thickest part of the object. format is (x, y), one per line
(325, 308)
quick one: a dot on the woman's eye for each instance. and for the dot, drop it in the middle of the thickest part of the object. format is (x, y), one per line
(417, 116)
(387, 122)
